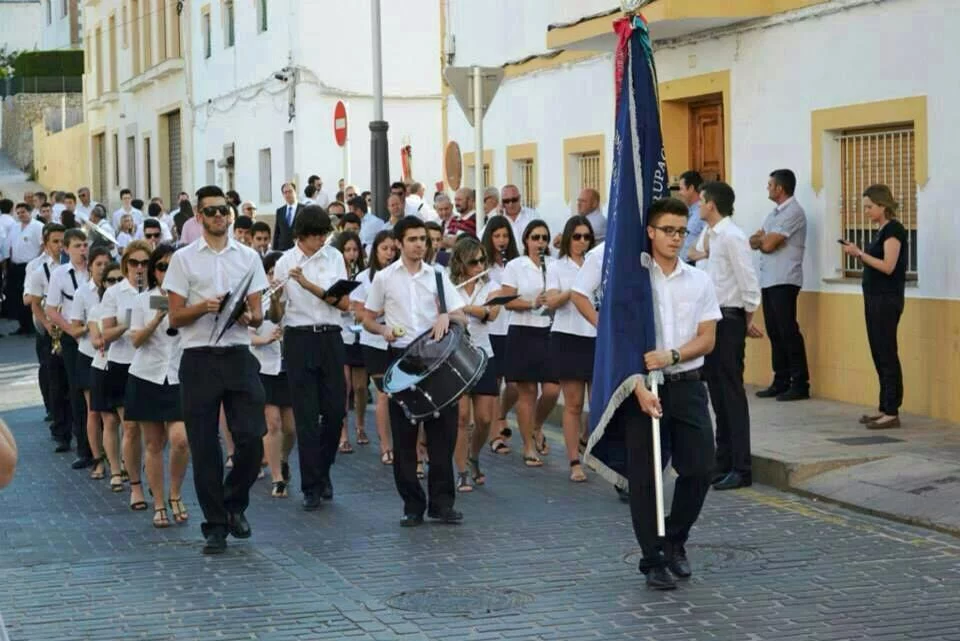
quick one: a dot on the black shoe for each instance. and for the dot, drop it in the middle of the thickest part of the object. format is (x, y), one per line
(446, 515)
(238, 526)
(82, 463)
(771, 392)
(326, 490)
(623, 493)
(411, 520)
(285, 471)
(718, 476)
(659, 579)
(23, 331)
(215, 543)
(733, 480)
(62, 446)
(676, 556)
(794, 394)
(48, 418)
(312, 502)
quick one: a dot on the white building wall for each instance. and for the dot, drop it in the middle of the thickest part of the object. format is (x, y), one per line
(21, 24)
(56, 25)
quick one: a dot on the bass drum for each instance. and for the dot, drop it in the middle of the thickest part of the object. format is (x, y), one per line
(433, 374)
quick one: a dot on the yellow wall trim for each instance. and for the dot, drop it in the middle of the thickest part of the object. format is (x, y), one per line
(583, 145)
(524, 151)
(468, 165)
(871, 114)
(56, 168)
(675, 96)
(546, 61)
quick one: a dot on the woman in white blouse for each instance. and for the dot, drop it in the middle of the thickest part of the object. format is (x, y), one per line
(153, 392)
(572, 338)
(354, 370)
(528, 339)
(376, 358)
(467, 261)
(99, 381)
(85, 299)
(500, 247)
(265, 343)
(116, 313)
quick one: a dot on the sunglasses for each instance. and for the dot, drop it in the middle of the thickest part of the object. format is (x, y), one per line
(673, 231)
(586, 237)
(210, 212)
(112, 281)
(151, 235)
(477, 261)
(509, 201)
(138, 263)
(536, 237)
(161, 267)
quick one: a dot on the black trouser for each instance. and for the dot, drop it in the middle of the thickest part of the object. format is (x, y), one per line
(686, 426)
(209, 377)
(318, 390)
(724, 373)
(78, 404)
(786, 341)
(58, 392)
(441, 437)
(17, 273)
(882, 313)
(43, 346)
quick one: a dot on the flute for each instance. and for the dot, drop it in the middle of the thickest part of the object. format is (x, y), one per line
(470, 280)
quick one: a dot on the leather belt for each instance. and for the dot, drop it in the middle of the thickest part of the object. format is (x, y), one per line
(317, 329)
(217, 350)
(733, 311)
(679, 377)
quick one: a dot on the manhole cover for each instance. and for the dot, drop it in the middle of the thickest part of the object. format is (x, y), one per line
(865, 440)
(707, 556)
(459, 600)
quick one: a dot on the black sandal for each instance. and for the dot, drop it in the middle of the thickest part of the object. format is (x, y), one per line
(479, 478)
(118, 486)
(98, 472)
(463, 482)
(139, 506)
(279, 490)
(506, 432)
(497, 446)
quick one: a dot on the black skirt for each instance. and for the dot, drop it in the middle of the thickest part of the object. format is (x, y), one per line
(98, 390)
(81, 374)
(147, 401)
(376, 361)
(571, 356)
(487, 385)
(354, 355)
(528, 355)
(499, 344)
(116, 386)
(277, 389)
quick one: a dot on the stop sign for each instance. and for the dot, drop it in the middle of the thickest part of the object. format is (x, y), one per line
(340, 123)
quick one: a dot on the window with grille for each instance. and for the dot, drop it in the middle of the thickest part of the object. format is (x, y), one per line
(588, 169)
(228, 27)
(469, 178)
(877, 156)
(527, 178)
(207, 40)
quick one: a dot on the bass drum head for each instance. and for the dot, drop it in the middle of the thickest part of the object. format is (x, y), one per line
(424, 355)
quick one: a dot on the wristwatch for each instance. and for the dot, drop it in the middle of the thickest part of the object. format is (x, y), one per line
(676, 356)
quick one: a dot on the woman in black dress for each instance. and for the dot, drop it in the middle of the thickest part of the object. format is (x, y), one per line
(884, 278)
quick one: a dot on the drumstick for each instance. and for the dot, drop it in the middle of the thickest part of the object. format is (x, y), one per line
(657, 467)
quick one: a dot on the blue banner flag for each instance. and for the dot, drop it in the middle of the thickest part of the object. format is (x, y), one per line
(626, 328)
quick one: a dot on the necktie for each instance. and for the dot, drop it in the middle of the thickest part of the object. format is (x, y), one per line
(290, 215)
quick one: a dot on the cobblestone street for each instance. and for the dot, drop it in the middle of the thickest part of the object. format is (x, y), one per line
(537, 558)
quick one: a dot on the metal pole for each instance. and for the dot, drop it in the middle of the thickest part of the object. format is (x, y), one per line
(478, 144)
(379, 151)
(657, 464)
(346, 150)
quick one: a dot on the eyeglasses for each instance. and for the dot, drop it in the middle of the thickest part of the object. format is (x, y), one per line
(586, 237)
(673, 231)
(477, 261)
(210, 212)
(509, 201)
(148, 236)
(112, 281)
(537, 237)
(162, 267)
(137, 263)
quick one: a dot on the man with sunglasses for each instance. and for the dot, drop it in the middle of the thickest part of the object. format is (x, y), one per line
(152, 232)
(518, 215)
(218, 372)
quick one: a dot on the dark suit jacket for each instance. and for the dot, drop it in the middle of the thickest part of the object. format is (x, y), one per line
(282, 232)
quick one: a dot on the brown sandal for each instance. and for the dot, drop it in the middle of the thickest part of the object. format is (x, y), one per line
(179, 510)
(160, 520)
(577, 474)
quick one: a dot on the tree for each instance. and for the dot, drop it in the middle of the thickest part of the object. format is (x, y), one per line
(7, 59)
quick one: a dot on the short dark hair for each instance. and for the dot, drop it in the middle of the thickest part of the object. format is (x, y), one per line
(52, 228)
(398, 185)
(258, 226)
(154, 210)
(6, 205)
(312, 178)
(70, 195)
(233, 197)
(152, 223)
(208, 191)
(350, 217)
(337, 204)
(786, 179)
(405, 224)
(339, 196)
(311, 220)
(68, 219)
(73, 234)
(665, 206)
(309, 191)
(721, 195)
(137, 203)
(692, 178)
(359, 202)
(243, 222)
(23, 206)
(125, 192)
(270, 260)
(158, 254)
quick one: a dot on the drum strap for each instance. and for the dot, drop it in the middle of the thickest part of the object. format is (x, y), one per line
(440, 293)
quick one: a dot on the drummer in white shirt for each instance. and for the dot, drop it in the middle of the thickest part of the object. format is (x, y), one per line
(572, 338)
(153, 392)
(406, 293)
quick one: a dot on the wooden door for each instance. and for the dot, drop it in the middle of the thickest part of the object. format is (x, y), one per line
(706, 138)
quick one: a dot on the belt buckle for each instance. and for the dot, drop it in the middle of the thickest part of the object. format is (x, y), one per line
(317, 329)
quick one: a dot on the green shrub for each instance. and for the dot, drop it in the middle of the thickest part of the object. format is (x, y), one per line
(48, 63)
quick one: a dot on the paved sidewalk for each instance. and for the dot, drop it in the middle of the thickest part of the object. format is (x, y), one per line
(14, 182)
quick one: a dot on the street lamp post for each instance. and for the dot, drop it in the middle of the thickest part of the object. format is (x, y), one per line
(379, 152)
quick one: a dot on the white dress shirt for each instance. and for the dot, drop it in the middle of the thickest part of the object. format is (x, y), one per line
(479, 331)
(158, 359)
(410, 300)
(321, 198)
(528, 280)
(561, 276)
(590, 276)
(85, 301)
(199, 273)
(9, 226)
(684, 299)
(501, 325)
(417, 206)
(731, 267)
(65, 280)
(82, 212)
(302, 307)
(26, 242)
(269, 356)
(524, 218)
(39, 271)
(370, 226)
(165, 234)
(117, 215)
(118, 303)
(599, 224)
(56, 212)
(359, 295)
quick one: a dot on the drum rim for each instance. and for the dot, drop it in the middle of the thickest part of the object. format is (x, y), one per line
(484, 360)
(454, 327)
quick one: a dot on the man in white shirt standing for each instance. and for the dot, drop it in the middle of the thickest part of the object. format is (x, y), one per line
(320, 197)
(518, 215)
(126, 198)
(406, 294)
(738, 291)
(85, 204)
(416, 205)
(26, 243)
(218, 372)
(314, 349)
